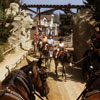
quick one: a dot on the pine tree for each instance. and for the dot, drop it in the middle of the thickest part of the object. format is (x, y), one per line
(65, 24)
(5, 30)
(95, 6)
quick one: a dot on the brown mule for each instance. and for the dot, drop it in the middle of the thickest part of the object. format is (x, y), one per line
(92, 90)
(21, 84)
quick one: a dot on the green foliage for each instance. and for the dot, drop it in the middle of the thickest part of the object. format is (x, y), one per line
(3, 47)
(5, 25)
(1, 54)
(66, 23)
(5, 28)
(1, 57)
(5, 3)
(56, 18)
(95, 6)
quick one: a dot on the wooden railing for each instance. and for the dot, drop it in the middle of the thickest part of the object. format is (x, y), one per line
(9, 50)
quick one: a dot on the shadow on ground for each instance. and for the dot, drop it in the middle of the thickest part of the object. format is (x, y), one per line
(72, 73)
(53, 75)
(75, 74)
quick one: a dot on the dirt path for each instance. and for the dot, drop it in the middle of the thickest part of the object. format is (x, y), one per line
(61, 90)
(65, 90)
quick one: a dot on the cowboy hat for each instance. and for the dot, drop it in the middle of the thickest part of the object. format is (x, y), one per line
(97, 29)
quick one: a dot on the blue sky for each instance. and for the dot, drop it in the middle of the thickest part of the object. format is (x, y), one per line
(74, 2)
(52, 2)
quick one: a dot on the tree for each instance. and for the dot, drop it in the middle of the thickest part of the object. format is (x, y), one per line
(5, 3)
(95, 6)
(65, 24)
(4, 27)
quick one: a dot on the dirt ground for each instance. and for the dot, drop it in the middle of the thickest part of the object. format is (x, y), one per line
(59, 88)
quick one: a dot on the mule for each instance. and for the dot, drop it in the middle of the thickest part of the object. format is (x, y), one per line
(21, 84)
(35, 47)
(65, 58)
(48, 55)
(92, 90)
(44, 52)
(39, 78)
(91, 63)
(40, 47)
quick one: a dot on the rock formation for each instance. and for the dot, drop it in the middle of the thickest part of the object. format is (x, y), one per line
(82, 31)
(20, 37)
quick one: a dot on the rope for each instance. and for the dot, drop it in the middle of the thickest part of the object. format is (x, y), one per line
(80, 60)
(37, 95)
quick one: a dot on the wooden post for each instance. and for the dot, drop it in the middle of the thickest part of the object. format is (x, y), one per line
(38, 19)
(39, 16)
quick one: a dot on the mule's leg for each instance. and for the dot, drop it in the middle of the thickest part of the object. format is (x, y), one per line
(49, 64)
(62, 70)
(46, 62)
(40, 54)
(56, 65)
(65, 72)
(35, 49)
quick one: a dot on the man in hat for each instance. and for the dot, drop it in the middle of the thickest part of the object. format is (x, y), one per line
(95, 39)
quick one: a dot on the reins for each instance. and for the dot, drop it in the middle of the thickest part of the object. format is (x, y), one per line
(34, 89)
(80, 60)
(87, 89)
(11, 84)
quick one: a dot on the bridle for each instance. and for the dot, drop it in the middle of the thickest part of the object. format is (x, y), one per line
(20, 76)
(43, 76)
(25, 80)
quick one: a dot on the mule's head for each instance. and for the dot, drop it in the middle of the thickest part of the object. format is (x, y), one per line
(67, 56)
(95, 67)
(39, 79)
(44, 90)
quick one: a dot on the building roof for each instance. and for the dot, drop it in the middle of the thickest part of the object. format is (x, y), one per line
(42, 16)
(48, 17)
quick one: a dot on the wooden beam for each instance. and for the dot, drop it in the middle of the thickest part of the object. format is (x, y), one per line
(32, 10)
(56, 6)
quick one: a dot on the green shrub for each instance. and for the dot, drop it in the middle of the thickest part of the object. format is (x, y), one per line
(1, 55)
(95, 7)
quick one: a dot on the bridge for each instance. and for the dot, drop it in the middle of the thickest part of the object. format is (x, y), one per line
(55, 7)
(52, 8)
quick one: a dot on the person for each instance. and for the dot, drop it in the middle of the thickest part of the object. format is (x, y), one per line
(95, 39)
(44, 39)
(36, 36)
(60, 47)
(50, 40)
(35, 39)
(61, 44)
(40, 36)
